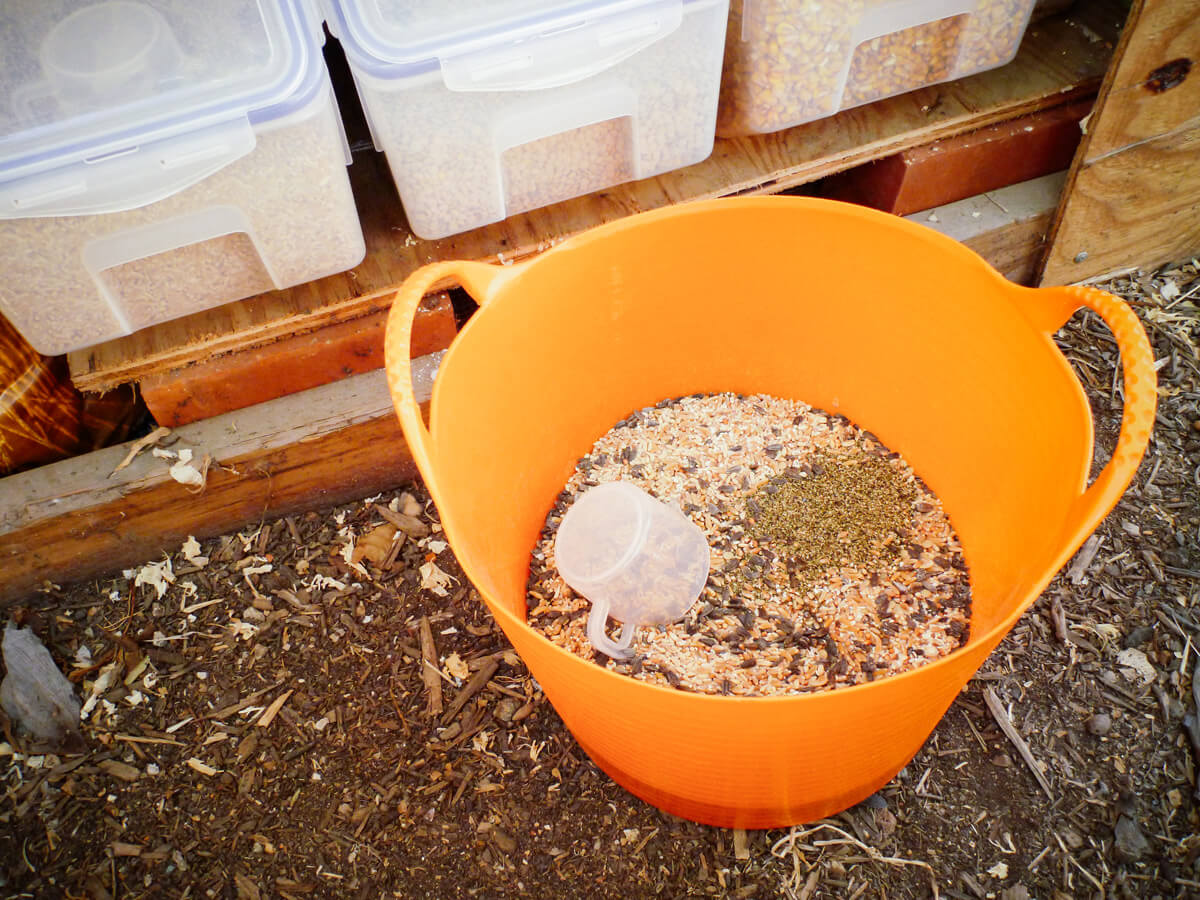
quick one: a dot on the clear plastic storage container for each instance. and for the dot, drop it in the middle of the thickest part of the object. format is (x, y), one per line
(486, 108)
(792, 61)
(161, 157)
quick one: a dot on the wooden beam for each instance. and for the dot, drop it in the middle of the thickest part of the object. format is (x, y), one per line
(1133, 194)
(965, 166)
(77, 519)
(237, 380)
(1007, 227)
(1062, 59)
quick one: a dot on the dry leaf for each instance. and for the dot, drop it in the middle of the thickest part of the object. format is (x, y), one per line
(410, 525)
(246, 889)
(456, 668)
(885, 822)
(321, 582)
(435, 580)
(34, 693)
(741, 845)
(1135, 666)
(184, 472)
(158, 575)
(118, 769)
(137, 671)
(243, 630)
(376, 544)
(999, 870)
(191, 552)
(105, 680)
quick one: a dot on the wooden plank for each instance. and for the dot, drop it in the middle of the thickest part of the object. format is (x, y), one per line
(1137, 208)
(75, 520)
(965, 166)
(1007, 227)
(1144, 100)
(237, 380)
(1133, 195)
(1061, 59)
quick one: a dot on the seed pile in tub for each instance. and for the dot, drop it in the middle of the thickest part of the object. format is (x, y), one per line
(832, 563)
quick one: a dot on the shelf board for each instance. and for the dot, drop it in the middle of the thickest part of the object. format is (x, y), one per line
(1062, 59)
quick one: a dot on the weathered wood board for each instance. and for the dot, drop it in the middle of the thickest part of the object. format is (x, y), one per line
(77, 519)
(1133, 194)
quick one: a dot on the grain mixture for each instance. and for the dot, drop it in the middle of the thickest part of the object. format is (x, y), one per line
(588, 159)
(462, 159)
(792, 61)
(292, 191)
(831, 561)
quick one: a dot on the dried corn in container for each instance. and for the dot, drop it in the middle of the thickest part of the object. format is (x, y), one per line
(160, 157)
(793, 61)
(486, 109)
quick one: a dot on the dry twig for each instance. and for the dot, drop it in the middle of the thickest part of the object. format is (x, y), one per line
(1010, 732)
(471, 688)
(430, 673)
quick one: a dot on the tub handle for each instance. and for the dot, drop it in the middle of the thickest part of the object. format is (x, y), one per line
(480, 280)
(1141, 400)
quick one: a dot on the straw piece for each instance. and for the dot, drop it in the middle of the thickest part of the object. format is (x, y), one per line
(1010, 731)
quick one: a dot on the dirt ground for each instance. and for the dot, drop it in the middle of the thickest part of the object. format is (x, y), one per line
(263, 725)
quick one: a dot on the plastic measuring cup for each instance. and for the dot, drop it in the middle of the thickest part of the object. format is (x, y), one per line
(636, 559)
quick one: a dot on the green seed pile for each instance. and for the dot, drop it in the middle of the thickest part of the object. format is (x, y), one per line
(838, 510)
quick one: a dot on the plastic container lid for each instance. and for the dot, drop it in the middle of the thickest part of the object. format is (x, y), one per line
(78, 82)
(415, 33)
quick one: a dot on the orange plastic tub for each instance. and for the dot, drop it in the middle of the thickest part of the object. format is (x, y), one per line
(903, 330)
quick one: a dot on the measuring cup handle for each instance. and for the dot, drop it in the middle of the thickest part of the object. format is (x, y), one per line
(597, 619)
(1141, 399)
(481, 280)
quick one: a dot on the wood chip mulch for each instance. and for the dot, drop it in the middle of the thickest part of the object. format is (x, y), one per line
(321, 707)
